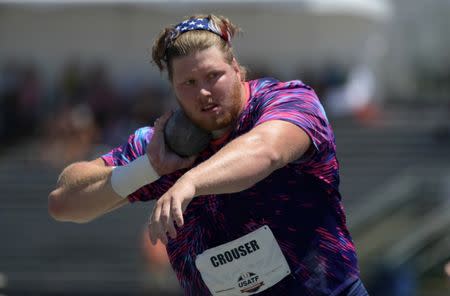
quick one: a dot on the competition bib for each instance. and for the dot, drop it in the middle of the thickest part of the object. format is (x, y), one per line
(245, 266)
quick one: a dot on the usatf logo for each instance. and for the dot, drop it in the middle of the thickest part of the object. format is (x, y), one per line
(249, 282)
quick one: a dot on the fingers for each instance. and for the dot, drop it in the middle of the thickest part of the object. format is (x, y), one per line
(166, 220)
(158, 127)
(169, 209)
(165, 117)
(156, 230)
(160, 123)
(153, 227)
(157, 148)
(161, 222)
(171, 229)
(188, 162)
(177, 212)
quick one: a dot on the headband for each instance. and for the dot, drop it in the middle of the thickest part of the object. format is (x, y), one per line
(192, 24)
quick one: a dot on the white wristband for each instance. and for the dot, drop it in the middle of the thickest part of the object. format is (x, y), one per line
(129, 178)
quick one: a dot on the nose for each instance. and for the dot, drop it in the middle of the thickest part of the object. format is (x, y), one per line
(204, 92)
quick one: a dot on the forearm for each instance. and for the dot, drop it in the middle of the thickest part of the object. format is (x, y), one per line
(236, 167)
(83, 193)
(249, 158)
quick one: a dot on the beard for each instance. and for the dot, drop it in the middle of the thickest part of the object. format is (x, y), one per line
(229, 113)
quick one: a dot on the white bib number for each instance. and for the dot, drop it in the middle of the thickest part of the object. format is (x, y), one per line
(245, 266)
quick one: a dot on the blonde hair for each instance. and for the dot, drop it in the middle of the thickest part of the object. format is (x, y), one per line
(165, 48)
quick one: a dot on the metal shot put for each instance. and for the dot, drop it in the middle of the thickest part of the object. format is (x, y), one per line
(184, 137)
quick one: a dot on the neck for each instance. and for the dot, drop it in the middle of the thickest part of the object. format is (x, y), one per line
(219, 133)
(244, 95)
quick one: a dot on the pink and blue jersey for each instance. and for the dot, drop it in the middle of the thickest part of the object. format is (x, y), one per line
(300, 202)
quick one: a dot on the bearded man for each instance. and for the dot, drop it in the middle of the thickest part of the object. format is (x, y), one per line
(259, 210)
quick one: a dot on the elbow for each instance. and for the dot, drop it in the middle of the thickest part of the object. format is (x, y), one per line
(59, 209)
(269, 156)
(274, 158)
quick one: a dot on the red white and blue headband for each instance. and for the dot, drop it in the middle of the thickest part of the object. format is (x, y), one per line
(193, 24)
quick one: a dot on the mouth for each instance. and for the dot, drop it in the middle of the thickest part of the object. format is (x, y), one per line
(210, 108)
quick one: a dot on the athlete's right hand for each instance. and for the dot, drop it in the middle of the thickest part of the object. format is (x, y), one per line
(163, 160)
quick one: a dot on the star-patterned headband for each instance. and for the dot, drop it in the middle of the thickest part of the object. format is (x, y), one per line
(197, 24)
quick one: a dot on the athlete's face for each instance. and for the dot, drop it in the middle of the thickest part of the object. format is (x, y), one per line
(208, 89)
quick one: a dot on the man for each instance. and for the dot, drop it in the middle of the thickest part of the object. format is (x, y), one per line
(259, 210)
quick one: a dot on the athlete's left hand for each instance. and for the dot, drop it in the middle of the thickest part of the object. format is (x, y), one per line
(169, 208)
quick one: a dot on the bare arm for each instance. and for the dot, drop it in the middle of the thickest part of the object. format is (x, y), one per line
(239, 165)
(84, 192)
(250, 158)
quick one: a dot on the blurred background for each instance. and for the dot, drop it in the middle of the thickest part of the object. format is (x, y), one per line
(76, 80)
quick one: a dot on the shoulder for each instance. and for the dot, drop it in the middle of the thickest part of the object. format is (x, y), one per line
(268, 85)
(144, 133)
(134, 147)
(269, 91)
(141, 137)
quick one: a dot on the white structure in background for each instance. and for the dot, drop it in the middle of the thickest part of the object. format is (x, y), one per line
(284, 35)
(360, 94)
(355, 95)
(419, 51)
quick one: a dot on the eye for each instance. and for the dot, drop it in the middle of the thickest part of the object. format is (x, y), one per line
(213, 75)
(189, 82)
